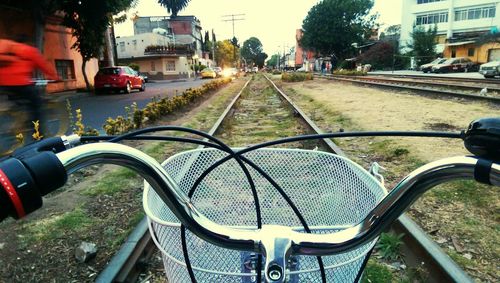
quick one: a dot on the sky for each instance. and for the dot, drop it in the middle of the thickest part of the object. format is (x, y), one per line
(273, 22)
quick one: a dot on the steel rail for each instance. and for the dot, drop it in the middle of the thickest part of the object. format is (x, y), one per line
(422, 90)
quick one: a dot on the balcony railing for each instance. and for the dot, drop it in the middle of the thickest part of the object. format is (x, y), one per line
(172, 49)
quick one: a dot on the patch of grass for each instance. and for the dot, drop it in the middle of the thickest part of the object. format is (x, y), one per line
(389, 246)
(57, 226)
(466, 191)
(112, 183)
(376, 273)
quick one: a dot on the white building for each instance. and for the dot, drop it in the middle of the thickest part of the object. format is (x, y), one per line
(459, 24)
(163, 47)
(146, 50)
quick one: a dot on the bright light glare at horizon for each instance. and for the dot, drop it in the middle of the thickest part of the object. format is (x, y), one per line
(273, 22)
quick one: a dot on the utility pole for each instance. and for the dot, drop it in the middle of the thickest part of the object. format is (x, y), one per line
(231, 18)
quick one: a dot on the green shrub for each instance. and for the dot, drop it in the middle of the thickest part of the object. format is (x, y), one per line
(154, 110)
(389, 245)
(134, 66)
(296, 77)
(276, 72)
(349, 73)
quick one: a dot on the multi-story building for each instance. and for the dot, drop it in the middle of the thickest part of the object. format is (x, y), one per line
(164, 47)
(460, 24)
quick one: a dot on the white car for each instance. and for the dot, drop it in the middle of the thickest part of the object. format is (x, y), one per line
(490, 69)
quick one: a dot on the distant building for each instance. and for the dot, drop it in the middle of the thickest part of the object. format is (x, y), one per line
(164, 47)
(460, 23)
(303, 58)
(56, 48)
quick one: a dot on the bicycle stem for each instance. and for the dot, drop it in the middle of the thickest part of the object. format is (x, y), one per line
(277, 243)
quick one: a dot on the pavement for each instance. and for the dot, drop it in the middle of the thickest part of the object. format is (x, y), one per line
(472, 75)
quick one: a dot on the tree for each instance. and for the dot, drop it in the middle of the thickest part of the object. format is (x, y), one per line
(207, 46)
(224, 53)
(273, 62)
(380, 55)
(174, 6)
(252, 52)
(423, 45)
(88, 21)
(332, 26)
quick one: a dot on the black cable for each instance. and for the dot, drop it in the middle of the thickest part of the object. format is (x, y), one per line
(156, 138)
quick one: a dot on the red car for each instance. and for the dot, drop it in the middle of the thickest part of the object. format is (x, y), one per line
(118, 78)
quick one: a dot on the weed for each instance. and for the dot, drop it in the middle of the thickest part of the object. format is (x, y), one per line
(112, 183)
(375, 272)
(57, 226)
(349, 73)
(389, 245)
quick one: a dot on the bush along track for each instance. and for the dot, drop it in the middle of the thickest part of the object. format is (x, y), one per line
(135, 118)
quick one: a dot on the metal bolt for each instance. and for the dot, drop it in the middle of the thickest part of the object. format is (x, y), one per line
(274, 274)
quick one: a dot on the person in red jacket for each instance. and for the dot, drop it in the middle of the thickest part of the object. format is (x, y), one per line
(18, 62)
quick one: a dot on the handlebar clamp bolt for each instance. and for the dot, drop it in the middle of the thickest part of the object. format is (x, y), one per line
(275, 273)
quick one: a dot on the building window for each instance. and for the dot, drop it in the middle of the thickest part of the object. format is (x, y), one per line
(153, 66)
(65, 69)
(428, 1)
(475, 13)
(122, 46)
(134, 43)
(170, 66)
(471, 51)
(429, 19)
(453, 52)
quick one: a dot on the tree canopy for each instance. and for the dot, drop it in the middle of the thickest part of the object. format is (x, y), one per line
(273, 62)
(253, 52)
(423, 45)
(332, 26)
(226, 53)
(174, 6)
(89, 21)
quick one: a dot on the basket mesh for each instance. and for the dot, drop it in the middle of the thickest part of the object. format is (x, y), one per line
(331, 192)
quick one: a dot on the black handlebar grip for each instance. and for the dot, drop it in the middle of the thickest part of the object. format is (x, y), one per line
(18, 193)
(47, 171)
(24, 182)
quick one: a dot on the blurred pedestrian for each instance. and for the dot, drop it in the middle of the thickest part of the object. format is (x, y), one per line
(323, 67)
(18, 62)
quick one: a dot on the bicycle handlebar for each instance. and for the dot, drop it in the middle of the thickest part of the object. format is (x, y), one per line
(276, 242)
(42, 167)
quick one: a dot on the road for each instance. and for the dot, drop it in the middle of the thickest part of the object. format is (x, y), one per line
(97, 108)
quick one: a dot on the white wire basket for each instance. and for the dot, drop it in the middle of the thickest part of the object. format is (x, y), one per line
(331, 192)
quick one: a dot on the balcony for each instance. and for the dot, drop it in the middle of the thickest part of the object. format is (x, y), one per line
(170, 50)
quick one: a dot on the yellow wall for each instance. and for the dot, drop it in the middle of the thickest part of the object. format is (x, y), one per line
(480, 53)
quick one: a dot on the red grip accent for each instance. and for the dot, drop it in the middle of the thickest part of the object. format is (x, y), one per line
(12, 193)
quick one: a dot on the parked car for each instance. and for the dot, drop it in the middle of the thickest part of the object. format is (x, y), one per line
(427, 68)
(208, 73)
(490, 69)
(218, 71)
(118, 78)
(230, 72)
(144, 77)
(455, 65)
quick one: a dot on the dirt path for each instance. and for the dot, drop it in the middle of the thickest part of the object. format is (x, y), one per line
(462, 217)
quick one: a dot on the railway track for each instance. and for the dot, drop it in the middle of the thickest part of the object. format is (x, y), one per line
(426, 87)
(441, 78)
(130, 260)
